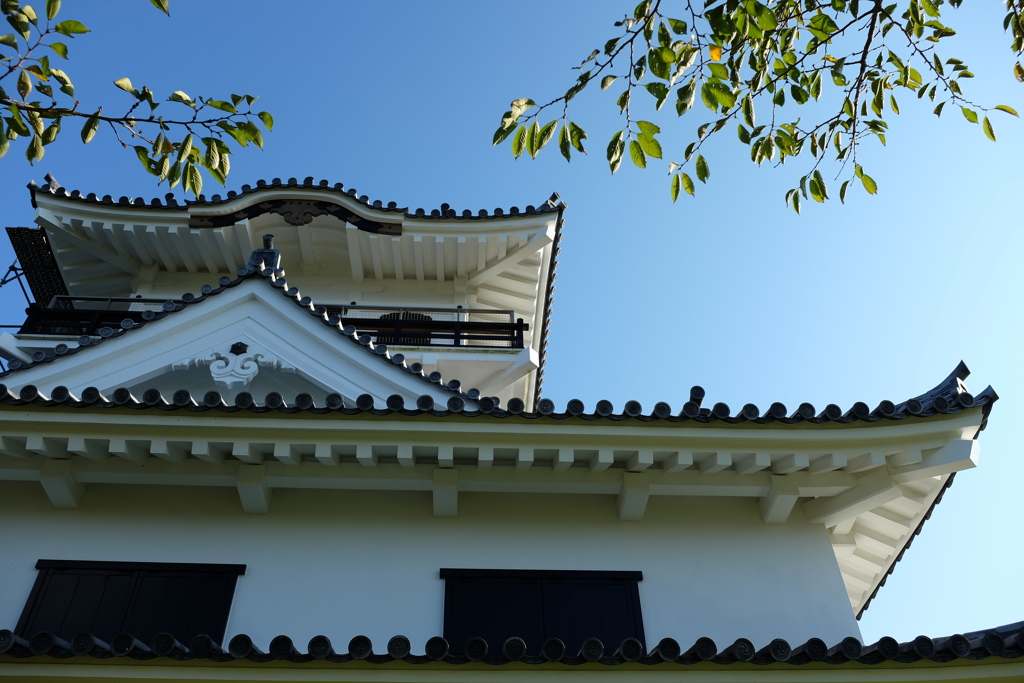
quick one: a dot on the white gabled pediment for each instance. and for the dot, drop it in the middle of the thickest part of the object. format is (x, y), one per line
(247, 337)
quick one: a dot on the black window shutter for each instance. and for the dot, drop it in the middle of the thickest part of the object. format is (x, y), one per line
(107, 598)
(536, 605)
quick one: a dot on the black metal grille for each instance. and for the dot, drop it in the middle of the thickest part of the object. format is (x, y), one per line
(77, 315)
(37, 262)
(403, 326)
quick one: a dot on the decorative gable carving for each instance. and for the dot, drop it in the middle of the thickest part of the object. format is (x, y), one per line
(237, 369)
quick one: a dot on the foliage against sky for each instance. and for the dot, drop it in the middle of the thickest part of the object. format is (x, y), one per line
(39, 98)
(753, 66)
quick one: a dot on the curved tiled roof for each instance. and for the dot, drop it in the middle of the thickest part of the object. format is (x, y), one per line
(980, 645)
(256, 269)
(946, 398)
(552, 205)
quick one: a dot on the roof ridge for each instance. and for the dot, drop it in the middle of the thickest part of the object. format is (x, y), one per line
(553, 204)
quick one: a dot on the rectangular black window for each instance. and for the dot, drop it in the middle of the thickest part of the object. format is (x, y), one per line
(141, 598)
(496, 604)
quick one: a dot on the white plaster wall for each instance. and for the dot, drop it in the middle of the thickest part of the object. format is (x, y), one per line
(348, 563)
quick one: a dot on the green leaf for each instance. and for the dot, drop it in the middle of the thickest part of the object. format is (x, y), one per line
(743, 134)
(175, 175)
(766, 19)
(687, 183)
(181, 96)
(4, 142)
(124, 84)
(51, 131)
(519, 106)
(616, 147)
(565, 142)
(195, 179)
(532, 139)
(185, 148)
(519, 142)
(546, 133)
(34, 152)
(501, 135)
(686, 95)
(70, 27)
(24, 84)
(52, 7)
(9, 40)
(1008, 110)
(748, 111)
(212, 157)
(821, 184)
(675, 186)
(987, 126)
(20, 25)
(702, 169)
(267, 120)
(59, 48)
(636, 153)
(869, 183)
(930, 8)
(938, 108)
(719, 71)
(607, 81)
(647, 128)
(222, 105)
(578, 135)
(842, 191)
(162, 5)
(822, 27)
(660, 92)
(650, 146)
(969, 114)
(29, 13)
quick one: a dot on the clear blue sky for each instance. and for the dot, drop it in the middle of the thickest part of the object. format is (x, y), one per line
(876, 299)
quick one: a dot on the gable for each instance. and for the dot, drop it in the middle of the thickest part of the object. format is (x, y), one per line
(282, 346)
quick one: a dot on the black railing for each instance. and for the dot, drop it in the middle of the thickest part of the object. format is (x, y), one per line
(476, 327)
(462, 327)
(78, 315)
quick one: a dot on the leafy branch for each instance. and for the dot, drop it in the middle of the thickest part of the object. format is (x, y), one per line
(173, 149)
(741, 56)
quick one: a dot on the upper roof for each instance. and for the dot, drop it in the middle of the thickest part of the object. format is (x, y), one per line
(251, 195)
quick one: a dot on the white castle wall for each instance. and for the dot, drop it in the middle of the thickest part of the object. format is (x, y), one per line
(348, 563)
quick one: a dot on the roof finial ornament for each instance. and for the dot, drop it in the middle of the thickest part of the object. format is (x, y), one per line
(52, 182)
(270, 257)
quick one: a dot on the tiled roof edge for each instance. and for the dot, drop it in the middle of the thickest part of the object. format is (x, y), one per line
(593, 651)
(961, 373)
(546, 408)
(274, 278)
(445, 211)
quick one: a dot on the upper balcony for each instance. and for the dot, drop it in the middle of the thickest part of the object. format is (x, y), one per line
(394, 326)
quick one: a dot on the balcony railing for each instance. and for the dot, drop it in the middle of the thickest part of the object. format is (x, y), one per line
(78, 315)
(394, 326)
(463, 327)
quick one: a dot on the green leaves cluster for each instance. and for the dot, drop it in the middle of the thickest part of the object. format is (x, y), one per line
(730, 62)
(173, 149)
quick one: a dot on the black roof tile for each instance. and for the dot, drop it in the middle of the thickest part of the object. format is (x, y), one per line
(552, 205)
(1006, 644)
(546, 408)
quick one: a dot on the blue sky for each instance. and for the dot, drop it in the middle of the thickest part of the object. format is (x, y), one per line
(876, 299)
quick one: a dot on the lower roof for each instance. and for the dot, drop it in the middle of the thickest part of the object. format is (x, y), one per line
(996, 645)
